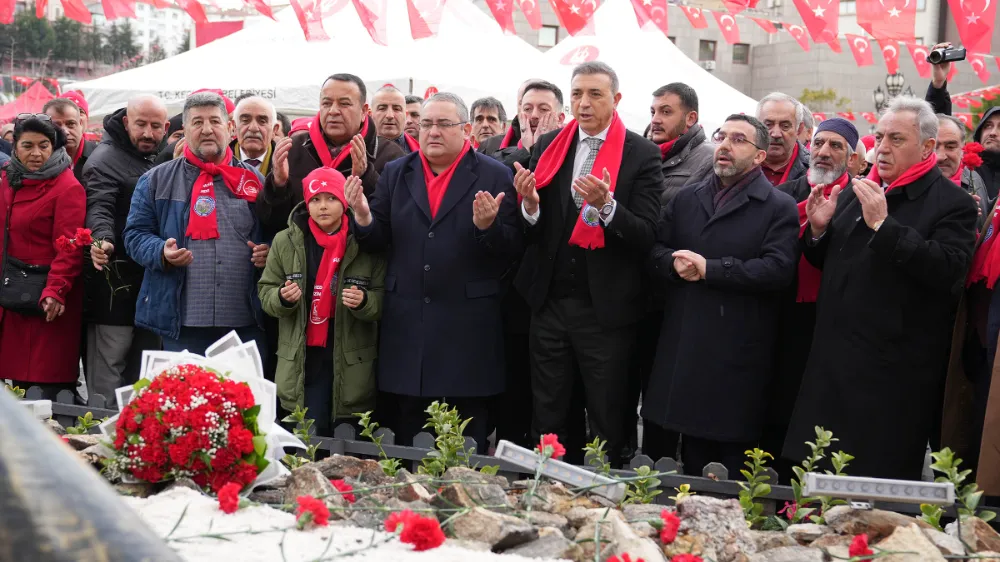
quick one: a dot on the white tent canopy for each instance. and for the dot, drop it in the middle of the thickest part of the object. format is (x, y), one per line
(644, 60)
(274, 60)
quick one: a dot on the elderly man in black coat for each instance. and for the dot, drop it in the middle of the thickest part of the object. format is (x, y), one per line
(726, 249)
(894, 249)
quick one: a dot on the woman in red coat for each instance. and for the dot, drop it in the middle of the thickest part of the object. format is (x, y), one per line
(41, 201)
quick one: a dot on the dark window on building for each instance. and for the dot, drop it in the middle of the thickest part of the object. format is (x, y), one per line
(741, 53)
(706, 50)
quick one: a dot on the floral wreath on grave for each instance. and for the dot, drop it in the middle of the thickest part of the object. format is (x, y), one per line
(210, 419)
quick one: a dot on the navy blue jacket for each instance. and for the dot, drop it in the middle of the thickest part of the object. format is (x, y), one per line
(441, 330)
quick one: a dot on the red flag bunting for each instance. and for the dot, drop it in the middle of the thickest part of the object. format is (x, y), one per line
(651, 11)
(261, 6)
(728, 26)
(952, 72)
(737, 6)
(988, 95)
(7, 12)
(766, 25)
(799, 34)
(76, 10)
(310, 16)
(979, 67)
(960, 101)
(888, 19)
(919, 55)
(997, 60)
(834, 45)
(869, 116)
(819, 117)
(194, 9)
(965, 118)
(974, 20)
(40, 6)
(114, 9)
(372, 14)
(861, 48)
(531, 13)
(695, 16)
(820, 18)
(849, 115)
(574, 14)
(502, 10)
(55, 85)
(890, 52)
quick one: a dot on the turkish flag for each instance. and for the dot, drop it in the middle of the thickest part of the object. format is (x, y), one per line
(997, 60)
(888, 19)
(919, 55)
(372, 14)
(192, 7)
(834, 45)
(952, 72)
(820, 18)
(695, 16)
(260, 5)
(728, 26)
(310, 16)
(77, 11)
(960, 101)
(849, 115)
(799, 34)
(988, 95)
(975, 103)
(503, 12)
(40, 8)
(819, 117)
(737, 6)
(974, 20)
(965, 118)
(574, 15)
(869, 116)
(651, 11)
(890, 52)
(766, 25)
(114, 9)
(861, 48)
(979, 67)
(531, 13)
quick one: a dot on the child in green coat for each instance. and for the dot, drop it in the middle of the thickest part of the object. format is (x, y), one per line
(327, 297)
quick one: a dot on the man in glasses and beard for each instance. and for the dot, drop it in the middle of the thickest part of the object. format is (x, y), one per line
(726, 247)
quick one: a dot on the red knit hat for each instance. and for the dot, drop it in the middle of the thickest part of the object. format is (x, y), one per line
(869, 141)
(76, 96)
(324, 180)
(230, 106)
(300, 124)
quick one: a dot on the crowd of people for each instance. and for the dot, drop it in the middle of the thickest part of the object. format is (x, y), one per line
(544, 275)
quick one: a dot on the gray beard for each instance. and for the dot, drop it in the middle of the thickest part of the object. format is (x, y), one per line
(817, 177)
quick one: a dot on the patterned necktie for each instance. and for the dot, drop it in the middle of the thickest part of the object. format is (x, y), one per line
(595, 144)
(253, 162)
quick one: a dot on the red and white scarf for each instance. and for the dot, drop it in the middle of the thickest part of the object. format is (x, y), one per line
(203, 222)
(587, 235)
(323, 149)
(322, 306)
(912, 174)
(437, 186)
(809, 276)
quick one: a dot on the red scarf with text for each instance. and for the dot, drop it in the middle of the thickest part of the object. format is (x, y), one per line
(322, 307)
(507, 137)
(323, 149)
(986, 260)
(912, 174)
(203, 223)
(438, 185)
(79, 152)
(809, 276)
(587, 233)
(411, 142)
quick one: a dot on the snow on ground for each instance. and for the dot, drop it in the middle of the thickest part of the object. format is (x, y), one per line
(162, 511)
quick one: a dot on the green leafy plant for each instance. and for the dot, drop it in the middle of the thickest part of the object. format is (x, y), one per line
(18, 392)
(818, 452)
(596, 455)
(968, 495)
(449, 443)
(643, 488)
(491, 470)
(755, 487)
(303, 425)
(83, 424)
(683, 491)
(389, 466)
(839, 460)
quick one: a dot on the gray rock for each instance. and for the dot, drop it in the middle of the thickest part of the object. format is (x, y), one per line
(555, 498)
(766, 540)
(976, 533)
(468, 545)
(365, 518)
(416, 487)
(55, 426)
(309, 481)
(183, 483)
(947, 544)
(911, 545)
(470, 476)
(719, 524)
(136, 490)
(988, 556)
(340, 467)
(644, 529)
(544, 519)
(488, 496)
(837, 546)
(806, 533)
(579, 516)
(877, 524)
(499, 530)
(642, 512)
(788, 554)
(616, 537)
(267, 496)
(81, 442)
(552, 546)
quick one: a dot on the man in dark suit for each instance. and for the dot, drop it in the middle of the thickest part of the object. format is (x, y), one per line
(446, 218)
(784, 117)
(67, 115)
(588, 232)
(256, 123)
(540, 109)
(725, 251)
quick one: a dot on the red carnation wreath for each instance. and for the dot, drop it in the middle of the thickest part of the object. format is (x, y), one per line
(190, 422)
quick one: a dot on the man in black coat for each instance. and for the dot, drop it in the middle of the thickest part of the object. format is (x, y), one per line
(894, 251)
(446, 218)
(539, 111)
(256, 122)
(784, 117)
(114, 344)
(726, 246)
(67, 115)
(588, 231)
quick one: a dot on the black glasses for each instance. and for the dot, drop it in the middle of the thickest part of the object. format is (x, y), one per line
(428, 125)
(737, 139)
(25, 116)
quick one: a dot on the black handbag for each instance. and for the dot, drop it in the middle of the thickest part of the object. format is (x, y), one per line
(21, 284)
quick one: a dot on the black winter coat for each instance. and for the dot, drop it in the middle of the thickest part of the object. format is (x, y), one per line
(109, 176)
(718, 335)
(887, 300)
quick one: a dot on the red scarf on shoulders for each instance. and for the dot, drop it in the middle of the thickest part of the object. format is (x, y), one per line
(912, 174)
(587, 233)
(411, 142)
(438, 185)
(323, 149)
(809, 276)
(665, 148)
(322, 306)
(788, 166)
(957, 178)
(508, 137)
(203, 222)
(79, 152)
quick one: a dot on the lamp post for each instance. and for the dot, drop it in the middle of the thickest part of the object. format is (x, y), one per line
(894, 84)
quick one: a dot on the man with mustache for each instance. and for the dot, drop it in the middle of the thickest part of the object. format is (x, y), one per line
(114, 345)
(389, 113)
(256, 122)
(950, 141)
(68, 116)
(894, 250)
(787, 159)
(341, 136)
(488, 119)
(725, 248)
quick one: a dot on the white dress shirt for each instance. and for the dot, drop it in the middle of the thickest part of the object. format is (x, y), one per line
(244, 157)
(582, 151)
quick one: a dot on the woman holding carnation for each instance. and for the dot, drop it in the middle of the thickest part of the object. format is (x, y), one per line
(327, 296)
(42, 203)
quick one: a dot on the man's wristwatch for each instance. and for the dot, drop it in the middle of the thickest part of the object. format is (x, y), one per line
(878, 224)
(606, 210)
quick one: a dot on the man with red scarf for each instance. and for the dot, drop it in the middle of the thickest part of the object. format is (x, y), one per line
(445, 216)
(389, 114)
(342, 136)
(66, 115)
(784, 117)
(590, 201)
(540, 106)
(894, 250)
(951, 158)
(192, 227)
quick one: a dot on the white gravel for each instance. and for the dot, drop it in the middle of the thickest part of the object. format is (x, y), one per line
(161, 512)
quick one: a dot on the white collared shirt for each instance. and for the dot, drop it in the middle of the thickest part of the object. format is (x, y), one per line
(244, 157)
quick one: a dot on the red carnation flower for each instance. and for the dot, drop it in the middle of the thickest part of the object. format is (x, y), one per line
(241, 440)
(671, 524)
(686, 558)
(65, 245)
(551, 440)
(973, 147)
(83, 237)
(397, 518)
(424, 533)
(345, 490)
(229, 497)
(859, 547)
(624, 558)
(311, 510)
(972, 160)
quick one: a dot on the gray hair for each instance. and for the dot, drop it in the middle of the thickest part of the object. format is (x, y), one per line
(463, 110)
(597, 67)
(800, 110)
(489, 103)
(204, 99)
(807, 118)
(239, 104)
(927, 121)
(951, 119)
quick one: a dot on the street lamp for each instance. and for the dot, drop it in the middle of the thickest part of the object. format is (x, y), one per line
(894, 84)
(879, 97)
